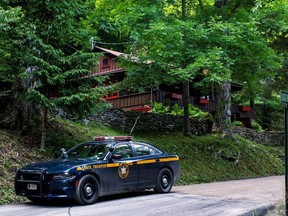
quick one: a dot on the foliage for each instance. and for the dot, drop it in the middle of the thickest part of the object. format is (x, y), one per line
(226, 38)
(271, 20)
(194, 112)
(120, 20)
(46, 54)
(44, 46)
(237, 123)
(158, 107)
(65, 134)
(176, 110)
(8, 19)
(256, 126)
(16, 151)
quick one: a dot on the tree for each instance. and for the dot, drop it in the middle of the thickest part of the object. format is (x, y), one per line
(272, 19)
(50, 54)
(222, 37)
(226, 38)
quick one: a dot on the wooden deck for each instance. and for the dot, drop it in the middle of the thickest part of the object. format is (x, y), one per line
(131, 101)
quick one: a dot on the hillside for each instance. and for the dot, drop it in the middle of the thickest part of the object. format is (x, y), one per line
(15, 151)
(203, 158)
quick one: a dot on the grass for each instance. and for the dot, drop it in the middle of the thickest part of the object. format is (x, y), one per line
(203, 158)
(211, 158)
(206, 158)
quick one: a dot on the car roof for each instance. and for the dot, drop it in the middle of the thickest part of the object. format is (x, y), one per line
(115, 142)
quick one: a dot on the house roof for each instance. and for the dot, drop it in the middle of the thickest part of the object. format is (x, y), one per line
(112, 52)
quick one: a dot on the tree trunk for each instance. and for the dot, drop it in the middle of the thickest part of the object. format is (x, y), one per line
(266, 116)
(222, 123)
(186, 120)
(183, 2)
(18, 112)
(44, 128)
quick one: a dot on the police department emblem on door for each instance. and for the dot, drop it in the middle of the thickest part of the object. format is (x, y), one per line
(123, 170)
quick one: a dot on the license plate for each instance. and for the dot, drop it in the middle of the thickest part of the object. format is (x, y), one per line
(32, 186)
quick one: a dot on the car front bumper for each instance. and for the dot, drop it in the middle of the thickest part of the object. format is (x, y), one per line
(36, 183)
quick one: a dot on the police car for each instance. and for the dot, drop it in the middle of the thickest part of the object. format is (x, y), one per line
(107, 165)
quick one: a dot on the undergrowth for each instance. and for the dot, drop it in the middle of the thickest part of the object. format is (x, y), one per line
(15, 152)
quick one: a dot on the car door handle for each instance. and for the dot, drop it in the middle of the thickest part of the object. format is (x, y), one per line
(134, 163)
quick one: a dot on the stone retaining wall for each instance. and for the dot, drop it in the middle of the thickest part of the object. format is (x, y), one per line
(126, 120)
(263, 137)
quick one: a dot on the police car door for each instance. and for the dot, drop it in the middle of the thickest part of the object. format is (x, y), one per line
(148, 164)
(123, 169)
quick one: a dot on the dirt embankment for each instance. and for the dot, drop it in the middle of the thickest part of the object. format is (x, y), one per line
(15, 151)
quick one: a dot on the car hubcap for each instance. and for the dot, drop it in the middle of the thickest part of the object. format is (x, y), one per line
(165, 181)
(88, 190)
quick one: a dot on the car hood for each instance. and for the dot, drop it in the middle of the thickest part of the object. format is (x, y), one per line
(60, 165)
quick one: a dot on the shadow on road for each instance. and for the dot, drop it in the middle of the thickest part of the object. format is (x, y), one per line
(69, 203)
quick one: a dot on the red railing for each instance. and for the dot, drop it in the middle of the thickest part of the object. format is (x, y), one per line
(132, 100)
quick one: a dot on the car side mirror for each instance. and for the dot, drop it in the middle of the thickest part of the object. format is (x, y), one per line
(111, 149)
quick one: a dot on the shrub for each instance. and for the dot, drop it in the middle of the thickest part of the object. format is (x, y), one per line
(193, 111)
(176, 110)
(256, 126)
(159, 108)
(237, 123)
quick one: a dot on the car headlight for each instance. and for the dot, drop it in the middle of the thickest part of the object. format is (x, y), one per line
(62, 176)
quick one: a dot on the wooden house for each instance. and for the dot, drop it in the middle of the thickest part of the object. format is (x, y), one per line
(142, 101)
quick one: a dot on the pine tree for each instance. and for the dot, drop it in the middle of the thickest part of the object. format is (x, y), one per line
(48, 54)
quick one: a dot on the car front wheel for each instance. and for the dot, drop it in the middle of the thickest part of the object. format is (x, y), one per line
(164, 181)
(87, 190)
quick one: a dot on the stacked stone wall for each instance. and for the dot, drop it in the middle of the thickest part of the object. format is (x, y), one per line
(263, 137)
(128, 121)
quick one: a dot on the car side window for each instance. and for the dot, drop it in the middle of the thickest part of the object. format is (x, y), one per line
(142, 150)
(124, 150)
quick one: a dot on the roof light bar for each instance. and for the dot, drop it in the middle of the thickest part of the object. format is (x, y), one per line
(102, 138)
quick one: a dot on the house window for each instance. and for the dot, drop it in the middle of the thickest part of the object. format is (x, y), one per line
(105, 62)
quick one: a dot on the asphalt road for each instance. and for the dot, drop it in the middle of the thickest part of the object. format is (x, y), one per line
(243, 197)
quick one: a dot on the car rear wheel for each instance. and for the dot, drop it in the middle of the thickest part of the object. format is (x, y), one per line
(164, 181)
(87, 190)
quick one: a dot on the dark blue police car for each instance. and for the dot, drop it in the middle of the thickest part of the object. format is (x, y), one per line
(108, 165)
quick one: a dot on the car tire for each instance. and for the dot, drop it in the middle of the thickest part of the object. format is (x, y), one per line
(87, 190)
(164, 181)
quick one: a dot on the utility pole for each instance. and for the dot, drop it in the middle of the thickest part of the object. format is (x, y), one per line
(284, 99)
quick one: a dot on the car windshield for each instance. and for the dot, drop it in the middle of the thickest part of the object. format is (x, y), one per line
(89, 151)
